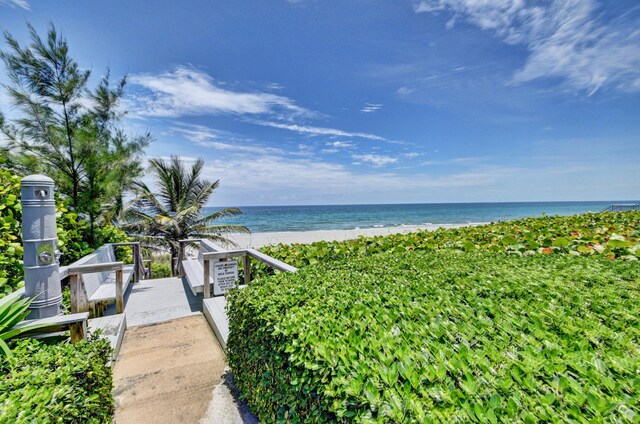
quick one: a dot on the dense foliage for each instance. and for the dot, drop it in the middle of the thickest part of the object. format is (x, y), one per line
(62, 383)
(441, 337)
(613, 235)
(12, 312)
(161, 269)
(66, 129)
(74, 238)
(10, 233)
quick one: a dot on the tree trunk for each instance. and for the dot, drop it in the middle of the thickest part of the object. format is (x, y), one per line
(76, 190)
(176, 264)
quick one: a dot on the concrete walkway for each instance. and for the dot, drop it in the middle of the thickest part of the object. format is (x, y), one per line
(159, 300)
(166, 373)
(171, 368)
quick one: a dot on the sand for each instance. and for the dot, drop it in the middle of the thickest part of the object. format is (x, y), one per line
(257, 240)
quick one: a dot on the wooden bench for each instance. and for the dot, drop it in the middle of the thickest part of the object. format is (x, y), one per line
(193, 268)
(98, 280)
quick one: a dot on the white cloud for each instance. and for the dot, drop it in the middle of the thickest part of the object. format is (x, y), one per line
(411, 155)
(375, 160)
(543, 173)
(302, 129)
(187, 91)
(371, 107)
(340, 144)
(457, 161)
(566, 39)
(16, 3)
(276, 179)
(220, 140)
(187, 159)
(275, 86)
(403, 91)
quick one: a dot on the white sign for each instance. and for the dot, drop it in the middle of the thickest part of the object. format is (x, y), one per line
(225, 275)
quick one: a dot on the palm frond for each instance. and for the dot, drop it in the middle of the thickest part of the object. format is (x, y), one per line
(223, 213)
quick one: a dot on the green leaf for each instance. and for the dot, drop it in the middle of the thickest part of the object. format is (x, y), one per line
(561, 242)
(509, 241)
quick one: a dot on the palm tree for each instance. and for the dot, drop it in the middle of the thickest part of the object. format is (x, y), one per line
(161, 220)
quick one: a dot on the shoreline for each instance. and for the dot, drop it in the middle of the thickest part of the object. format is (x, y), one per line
(257, 240)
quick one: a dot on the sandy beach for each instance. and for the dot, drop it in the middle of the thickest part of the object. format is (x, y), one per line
(257, 240)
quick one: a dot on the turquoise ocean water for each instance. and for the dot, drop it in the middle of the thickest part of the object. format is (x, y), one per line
(343, 217)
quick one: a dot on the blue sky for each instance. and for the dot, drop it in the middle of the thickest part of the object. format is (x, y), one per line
(333, 102)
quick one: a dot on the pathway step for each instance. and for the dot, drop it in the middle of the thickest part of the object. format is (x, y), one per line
(214, 310)
(113, 328)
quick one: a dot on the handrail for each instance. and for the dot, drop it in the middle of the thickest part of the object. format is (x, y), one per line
(76, 323)
(272, 262)
(79, 298)
(224, 254)
(138, 260)
(63, 272)
(256, 254)
(100, 267)
(220, 254)
(621, 207)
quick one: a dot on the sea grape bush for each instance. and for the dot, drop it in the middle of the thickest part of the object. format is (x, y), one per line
(441, 337)
(10, 240)
(62, 383)
(612, 235)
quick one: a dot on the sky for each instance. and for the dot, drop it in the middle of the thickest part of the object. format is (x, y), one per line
(348, 101)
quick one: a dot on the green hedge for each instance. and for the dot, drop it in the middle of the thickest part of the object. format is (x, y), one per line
(161, 268)
(10, 237)
(441, 337)
(612, 235)
(60, 383)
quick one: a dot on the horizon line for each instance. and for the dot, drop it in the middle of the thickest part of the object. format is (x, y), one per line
(627, 201)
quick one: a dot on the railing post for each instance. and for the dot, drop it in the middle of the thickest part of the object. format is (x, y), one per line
(136, 262)
(206, 289)
(78, 331)
(119, 292)
(78, 299)
(181, 258)
(247, 268)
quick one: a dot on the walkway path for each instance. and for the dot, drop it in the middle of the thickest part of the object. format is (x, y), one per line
(154, 301)
(166, 373)
(171, 368)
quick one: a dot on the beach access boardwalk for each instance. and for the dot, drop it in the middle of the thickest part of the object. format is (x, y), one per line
(170, 367)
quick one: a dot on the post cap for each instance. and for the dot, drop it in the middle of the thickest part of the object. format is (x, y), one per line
(38, 179)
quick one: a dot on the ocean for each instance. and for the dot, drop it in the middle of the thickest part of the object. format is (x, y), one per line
(345, 217)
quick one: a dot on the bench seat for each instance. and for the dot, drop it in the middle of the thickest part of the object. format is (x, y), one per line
(96, 289)
(193, 267)
(194, 272)
(107, 290)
